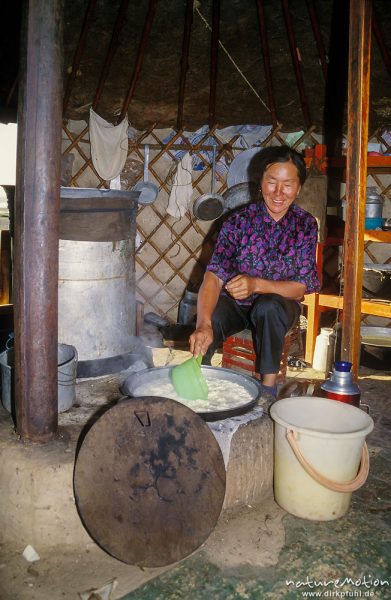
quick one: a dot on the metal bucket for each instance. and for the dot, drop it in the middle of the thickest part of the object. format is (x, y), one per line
(96, 304)
(188, 308)
(67, 367)
(374, 204)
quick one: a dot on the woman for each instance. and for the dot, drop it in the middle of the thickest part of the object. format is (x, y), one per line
(263, 264)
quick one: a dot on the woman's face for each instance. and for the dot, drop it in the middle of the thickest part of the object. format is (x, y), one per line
(279, 186)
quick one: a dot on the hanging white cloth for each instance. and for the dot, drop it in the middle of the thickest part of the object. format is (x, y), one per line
(182, 188)
(109, 145)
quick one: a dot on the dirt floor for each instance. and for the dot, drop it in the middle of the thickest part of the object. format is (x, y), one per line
(252, 553)
(265, 553)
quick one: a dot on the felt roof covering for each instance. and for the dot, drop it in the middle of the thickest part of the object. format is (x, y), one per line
(129, 55)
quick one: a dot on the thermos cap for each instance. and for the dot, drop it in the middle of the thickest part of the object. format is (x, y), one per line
(343, 366)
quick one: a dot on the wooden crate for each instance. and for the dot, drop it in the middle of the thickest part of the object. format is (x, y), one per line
(238, 354)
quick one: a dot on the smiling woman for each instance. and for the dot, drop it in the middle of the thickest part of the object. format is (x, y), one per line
(263, 264)
(280, 186)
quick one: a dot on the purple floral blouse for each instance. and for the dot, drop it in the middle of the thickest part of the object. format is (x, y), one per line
(251, 242)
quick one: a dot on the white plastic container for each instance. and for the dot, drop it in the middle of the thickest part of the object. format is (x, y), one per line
(324, 350)
(318, 446)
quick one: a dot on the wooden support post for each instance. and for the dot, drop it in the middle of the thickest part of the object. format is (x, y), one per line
(37, 212)
(313, 317)
(356, 174)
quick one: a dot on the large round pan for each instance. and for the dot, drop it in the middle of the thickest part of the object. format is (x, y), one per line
(245, 167)
(160, 374)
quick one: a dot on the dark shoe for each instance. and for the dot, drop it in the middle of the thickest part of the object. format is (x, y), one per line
(269, 392)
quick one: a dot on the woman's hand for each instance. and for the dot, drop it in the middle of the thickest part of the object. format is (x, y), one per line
(241, 286)
(201, 339)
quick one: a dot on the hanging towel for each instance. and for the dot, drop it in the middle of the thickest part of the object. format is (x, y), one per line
(109, 145)
(182, 188)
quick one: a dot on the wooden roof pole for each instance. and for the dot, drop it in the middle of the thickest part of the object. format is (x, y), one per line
(214, 61)
(184, 61)
(296, 63)
(114, 43)
(266, 62)
(79, 53)
(140, 57)
(380, 40)
(356, 175)
(318, 36)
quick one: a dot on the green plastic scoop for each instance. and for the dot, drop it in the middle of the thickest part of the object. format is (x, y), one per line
(188, 379)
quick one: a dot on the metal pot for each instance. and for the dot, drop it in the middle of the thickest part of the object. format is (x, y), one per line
(149, 190)
(209, 207)
(160, 374)
(374, 204)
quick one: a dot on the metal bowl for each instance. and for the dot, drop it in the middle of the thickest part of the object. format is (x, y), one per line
(160, 374)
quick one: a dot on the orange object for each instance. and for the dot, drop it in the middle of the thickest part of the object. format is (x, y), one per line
(238, 354)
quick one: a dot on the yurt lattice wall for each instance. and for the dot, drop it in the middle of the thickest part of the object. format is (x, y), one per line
(172, 253)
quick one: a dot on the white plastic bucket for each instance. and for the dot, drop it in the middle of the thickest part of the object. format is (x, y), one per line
(320, 455)
(67, 368)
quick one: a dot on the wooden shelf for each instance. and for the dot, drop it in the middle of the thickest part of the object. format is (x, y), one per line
(373, 162)
(317, 158)
(370, 235)
(376, 308)
(318, 303)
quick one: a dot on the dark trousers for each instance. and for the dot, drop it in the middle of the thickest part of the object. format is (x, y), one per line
(270, 317)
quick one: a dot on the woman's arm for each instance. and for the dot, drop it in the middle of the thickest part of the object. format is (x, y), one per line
(242, 286)
(208, 296)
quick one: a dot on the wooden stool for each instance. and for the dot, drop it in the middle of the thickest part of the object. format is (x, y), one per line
(238, 353)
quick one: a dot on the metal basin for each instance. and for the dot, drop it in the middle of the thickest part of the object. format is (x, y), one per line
(376, 281)
(161, 374)
(376, 347)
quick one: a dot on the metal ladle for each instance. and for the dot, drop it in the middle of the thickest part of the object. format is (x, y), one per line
(209, 207)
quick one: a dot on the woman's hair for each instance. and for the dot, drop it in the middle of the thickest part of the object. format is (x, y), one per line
(281, 154)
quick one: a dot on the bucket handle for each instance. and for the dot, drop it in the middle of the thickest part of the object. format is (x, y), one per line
(335, 486)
